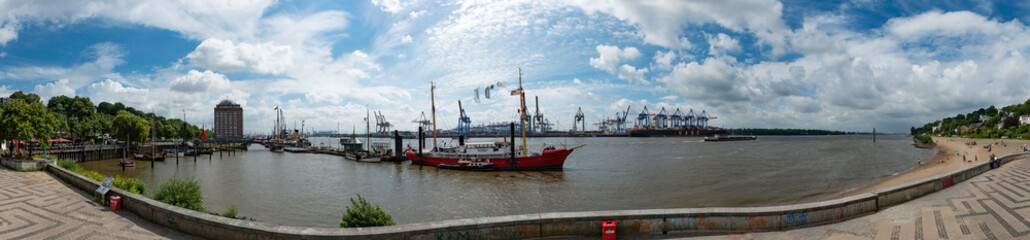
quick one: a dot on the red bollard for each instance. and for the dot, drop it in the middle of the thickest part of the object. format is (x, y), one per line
(116, 203)
(608, 230)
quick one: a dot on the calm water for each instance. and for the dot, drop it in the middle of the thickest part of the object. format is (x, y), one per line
(607, 174)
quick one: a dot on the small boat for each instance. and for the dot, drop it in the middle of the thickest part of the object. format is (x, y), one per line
(297, 149)
(473, 165)
(125, 162)
(138, 156)
(722, 138)
(277, 149)
(362, 157)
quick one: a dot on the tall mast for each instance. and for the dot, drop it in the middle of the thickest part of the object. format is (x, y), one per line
(522, 119)
(432, 100)
(368, 139)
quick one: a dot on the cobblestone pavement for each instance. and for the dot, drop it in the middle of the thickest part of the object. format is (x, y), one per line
(993, 205)
(35, 205)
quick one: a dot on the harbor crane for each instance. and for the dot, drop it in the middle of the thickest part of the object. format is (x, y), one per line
(677, 118)
(382, 126)
(542, 125)
(661, 120)
(464, 122)
(620, 121)
(423, 122)
(644, 119)
(579, 119)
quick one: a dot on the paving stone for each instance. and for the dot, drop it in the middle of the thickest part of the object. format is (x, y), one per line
(35, 205)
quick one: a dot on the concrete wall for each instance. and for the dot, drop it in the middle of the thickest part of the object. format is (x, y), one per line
(680, 221)
(19, 164)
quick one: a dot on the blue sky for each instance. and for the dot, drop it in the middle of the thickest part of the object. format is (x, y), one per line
(842, 65)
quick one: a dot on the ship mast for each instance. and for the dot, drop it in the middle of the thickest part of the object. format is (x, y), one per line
(432, 100)
(522, 117)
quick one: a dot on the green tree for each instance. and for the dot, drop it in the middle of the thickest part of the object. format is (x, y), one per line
(129, 127)
(28, 98)
(27, 120)
(361, 213)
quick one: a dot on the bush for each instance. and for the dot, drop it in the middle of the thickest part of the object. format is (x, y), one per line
(94, 175)
(69, 164)
(184, 193)
(924, 139)
(231, 212)
(363, 214)
(130, 184)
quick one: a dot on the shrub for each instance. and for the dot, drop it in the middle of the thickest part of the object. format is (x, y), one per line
(69, 164)
(94, 175)
(363, 214)
(231, 212)
(924, 139)
(184, 193)
(130, 184)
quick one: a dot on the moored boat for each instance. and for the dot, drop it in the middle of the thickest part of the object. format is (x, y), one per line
(499, 155)
(125, 162)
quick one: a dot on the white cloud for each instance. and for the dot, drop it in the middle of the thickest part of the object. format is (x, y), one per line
(406, 39)
(223, 55)
(610, 56)
(58, 88)
(663, 60)
(195, 81)
(722, 43)
(947, 24)
(632, 74)
(662, 22)
(8, 32)
(392, 6)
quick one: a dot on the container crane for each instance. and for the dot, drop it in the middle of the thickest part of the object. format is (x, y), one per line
(464, 122)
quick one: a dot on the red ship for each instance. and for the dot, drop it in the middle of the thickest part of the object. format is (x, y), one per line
(501, 155)
(497, 153)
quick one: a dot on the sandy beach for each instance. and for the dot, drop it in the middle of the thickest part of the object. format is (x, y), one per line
(948, 158)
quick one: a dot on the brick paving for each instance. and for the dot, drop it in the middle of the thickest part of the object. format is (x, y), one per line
(993, 205)
(35, 205)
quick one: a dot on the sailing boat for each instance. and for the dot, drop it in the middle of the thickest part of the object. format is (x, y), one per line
(277, 142)
(494, 155)
(364, 155)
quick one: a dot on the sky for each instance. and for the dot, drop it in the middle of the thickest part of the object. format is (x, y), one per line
(838, 65)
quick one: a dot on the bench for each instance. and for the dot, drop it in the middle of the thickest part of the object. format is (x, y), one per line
(101, 191)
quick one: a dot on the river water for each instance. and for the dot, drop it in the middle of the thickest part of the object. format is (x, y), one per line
(608, 174)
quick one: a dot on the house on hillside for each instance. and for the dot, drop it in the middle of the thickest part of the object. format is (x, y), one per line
(963, 129)
(1025, 119)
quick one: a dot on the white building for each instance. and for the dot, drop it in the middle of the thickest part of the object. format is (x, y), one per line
(1025, 119)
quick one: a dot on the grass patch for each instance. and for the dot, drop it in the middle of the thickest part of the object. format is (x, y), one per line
(231, 212)
(128, 184)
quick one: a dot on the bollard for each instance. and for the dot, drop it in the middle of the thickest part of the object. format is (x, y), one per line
(608, 230)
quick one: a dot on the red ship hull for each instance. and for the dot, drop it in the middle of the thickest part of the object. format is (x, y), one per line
(548, 160)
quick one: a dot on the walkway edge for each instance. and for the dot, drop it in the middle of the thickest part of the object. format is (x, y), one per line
(689, 221)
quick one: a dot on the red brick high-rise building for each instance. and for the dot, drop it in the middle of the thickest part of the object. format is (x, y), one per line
(228, 120)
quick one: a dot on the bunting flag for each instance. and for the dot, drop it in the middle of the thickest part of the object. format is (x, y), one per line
(500, 84)
(477, 95)
(486, 91)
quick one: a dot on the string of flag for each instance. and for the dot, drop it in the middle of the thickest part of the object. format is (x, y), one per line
(486, 90)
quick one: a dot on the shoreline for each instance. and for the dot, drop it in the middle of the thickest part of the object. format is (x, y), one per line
(944, 161)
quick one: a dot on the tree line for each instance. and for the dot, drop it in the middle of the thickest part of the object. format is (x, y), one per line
(989, 122)
(24, 117)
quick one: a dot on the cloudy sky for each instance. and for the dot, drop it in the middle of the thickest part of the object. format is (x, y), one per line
(848, 65)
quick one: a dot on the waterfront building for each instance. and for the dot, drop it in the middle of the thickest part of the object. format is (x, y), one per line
(228, 120)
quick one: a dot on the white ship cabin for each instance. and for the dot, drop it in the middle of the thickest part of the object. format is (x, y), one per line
(482, 150)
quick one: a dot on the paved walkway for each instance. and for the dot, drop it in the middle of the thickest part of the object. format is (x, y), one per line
(35, 205)
(993, 205)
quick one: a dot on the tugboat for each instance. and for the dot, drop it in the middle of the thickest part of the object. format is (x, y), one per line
(499, 155)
